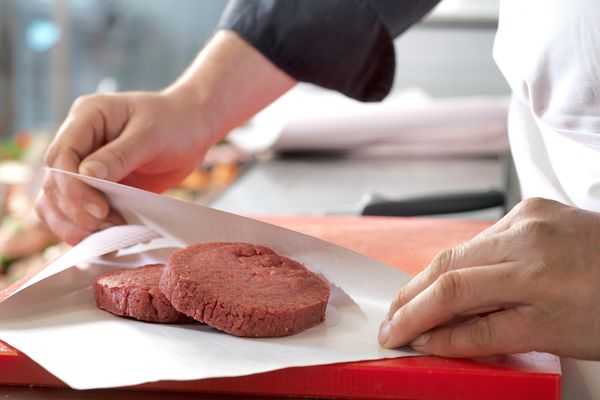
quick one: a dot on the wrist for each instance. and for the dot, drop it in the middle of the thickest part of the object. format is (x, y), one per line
(228, 83)
(193, 106)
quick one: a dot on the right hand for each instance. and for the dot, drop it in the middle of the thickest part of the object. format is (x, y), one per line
(153, 140)
(147, 140)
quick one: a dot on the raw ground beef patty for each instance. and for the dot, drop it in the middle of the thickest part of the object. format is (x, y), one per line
(244, 289)
(134, 293)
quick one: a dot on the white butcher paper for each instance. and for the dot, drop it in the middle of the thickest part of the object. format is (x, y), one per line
(54, 320)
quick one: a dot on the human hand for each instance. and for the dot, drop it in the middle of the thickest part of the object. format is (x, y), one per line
(528, 283)
(153, 140)
(142, 139)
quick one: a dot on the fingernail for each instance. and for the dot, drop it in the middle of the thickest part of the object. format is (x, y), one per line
(94, 210)
(105, 225)
(95, 169)
(384, 332)
(421, 340)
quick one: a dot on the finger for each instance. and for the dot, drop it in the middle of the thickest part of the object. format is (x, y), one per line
(53, 195)
(455, 293)
(81, 203)
(58, 223)
(92, 121)
(117, 159)
(73, 131)
(75, 191)
(502, 332)
(486, 250)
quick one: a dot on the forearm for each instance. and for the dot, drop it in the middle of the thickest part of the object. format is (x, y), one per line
(228, 83)
(344, 45)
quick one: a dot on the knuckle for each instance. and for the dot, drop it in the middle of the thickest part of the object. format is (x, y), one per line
(49, 158)
(87, 100)
(83, 101)
(527, 328)
(401, 298)
(50, 197)
(118, 157)
(40, 207)
(48, 185)
(82, 220)
(482, 334)
(441, 262)
(50, 155)
(537, 229)
(449, 288)
(401, 317)
(531, 206)
(49, 191)
(61, 225)
(531, 203)
(73, 192)
(549, 313)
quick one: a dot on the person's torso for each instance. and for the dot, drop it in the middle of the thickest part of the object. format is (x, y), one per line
(549, 52)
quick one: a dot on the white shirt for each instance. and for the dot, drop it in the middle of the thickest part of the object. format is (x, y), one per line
(549, 52)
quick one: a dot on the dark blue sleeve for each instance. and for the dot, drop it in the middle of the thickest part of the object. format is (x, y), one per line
(345, 45)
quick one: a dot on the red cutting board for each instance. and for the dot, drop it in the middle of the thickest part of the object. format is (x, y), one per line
(406, 243)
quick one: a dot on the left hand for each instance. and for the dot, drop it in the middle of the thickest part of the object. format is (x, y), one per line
(531, 282)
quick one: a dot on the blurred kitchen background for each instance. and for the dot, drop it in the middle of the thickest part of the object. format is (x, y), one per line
(436, 147)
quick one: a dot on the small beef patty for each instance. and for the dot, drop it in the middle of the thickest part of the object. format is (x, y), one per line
(134, 293)
(244, 289)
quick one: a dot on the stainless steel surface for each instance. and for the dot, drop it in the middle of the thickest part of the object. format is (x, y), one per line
(333, 185)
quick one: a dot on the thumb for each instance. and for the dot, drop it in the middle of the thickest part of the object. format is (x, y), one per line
(501, 332)
(116, 160)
